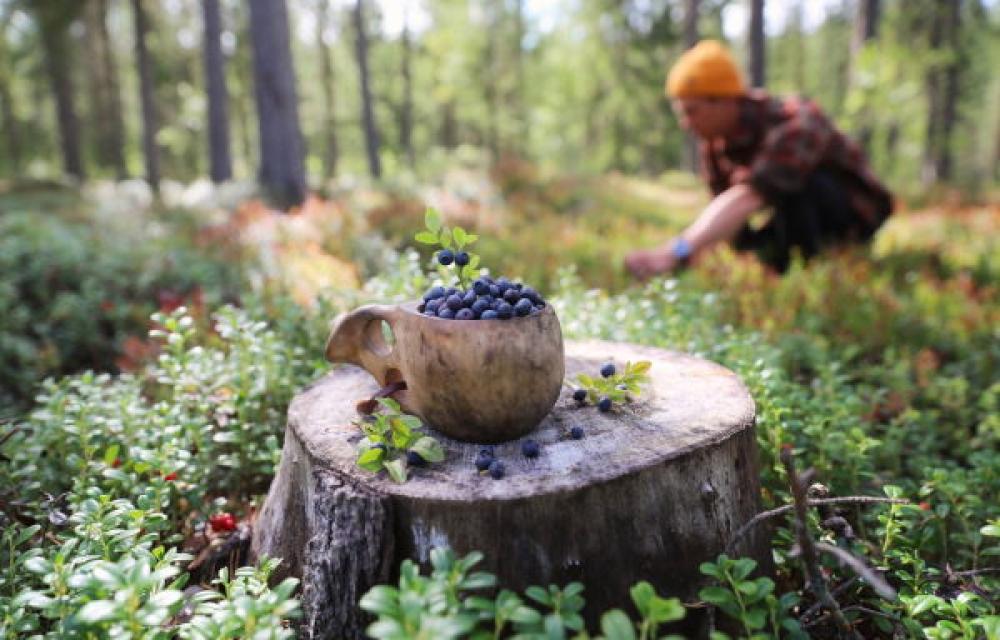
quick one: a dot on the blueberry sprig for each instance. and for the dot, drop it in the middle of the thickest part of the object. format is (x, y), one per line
(453, 242)
(393, 443)
(612, 386)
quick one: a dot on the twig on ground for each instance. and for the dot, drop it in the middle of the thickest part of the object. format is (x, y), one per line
(774, 513)
(841, 588)
(861, 569)
(973, 572)
(810, 559)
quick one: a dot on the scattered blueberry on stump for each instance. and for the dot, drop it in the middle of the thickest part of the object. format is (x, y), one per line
(414, 459)
(483, 461)
(530, 449)
(497, 469)
(604, 404)
(608, 370)
(576, 433)
(580, 395)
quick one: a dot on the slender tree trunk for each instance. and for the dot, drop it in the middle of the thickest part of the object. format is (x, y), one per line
(950, 87)
(147, 97)
(449, 125)
(105, 100)
(867, 22)
(57, 58)
(406, 114)
(219, 157)
(326, 75)
(282, 168)
(8, 110)
(690, 39)
(933, 80)
(490, 84)
(367, 108)
(756, 43)
(524, 117)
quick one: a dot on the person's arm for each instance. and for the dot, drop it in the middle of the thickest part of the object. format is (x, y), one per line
(724, 216)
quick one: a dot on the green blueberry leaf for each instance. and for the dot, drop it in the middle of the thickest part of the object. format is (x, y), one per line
(396, 469)
(429, 449)
(426, 237)
(615, 625)
(432, 219)
(458, 234)
(444, 238)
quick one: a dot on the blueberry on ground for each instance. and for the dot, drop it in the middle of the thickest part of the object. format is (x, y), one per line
(497, 469)
(580, 395)
(604, 404)
(489, 314)
(434, 292)
(505, 311)
(608, 370)
(446, 313)
(576, 433)
(483, 461)
(511, 296)
(523, 307)
(465, 314)
(445, 257)
(454, 302)
(414, 459)
(530, 449)
(461, 258)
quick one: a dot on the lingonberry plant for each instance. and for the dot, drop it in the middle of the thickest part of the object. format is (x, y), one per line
(392, 442)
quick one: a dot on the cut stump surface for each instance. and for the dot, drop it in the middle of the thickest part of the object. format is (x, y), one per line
(654, 488)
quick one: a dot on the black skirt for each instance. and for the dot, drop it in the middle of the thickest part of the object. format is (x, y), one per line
(818, 216)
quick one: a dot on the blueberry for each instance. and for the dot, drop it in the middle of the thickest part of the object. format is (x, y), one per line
(604, 404)
(454, 302)
(489, 314)
(446, 313)
(428, 312)
(434, 293)
(483, 462)
(469, 298)
(461, 258)
(488, 451)
(523, 307)
(445, 257)
(414, 459)
(511, 296)
(502, 285)
(421, 307)
(576, 433)
(433, 305)
(465, 314)
(530, 449)
(495, 291)
(531, 294)
(450, 291)
(481, 287)
(496, 469)
(505, 311)
(580, 395)
(479, 306)
(518, 286)
(608, 370)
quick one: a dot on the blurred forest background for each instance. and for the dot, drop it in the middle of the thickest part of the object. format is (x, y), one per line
(391, 89)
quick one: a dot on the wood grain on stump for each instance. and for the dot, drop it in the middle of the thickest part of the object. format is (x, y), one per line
(653, 489)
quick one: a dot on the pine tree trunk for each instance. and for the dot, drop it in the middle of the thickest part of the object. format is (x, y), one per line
(406, 113)
(756, 44)
(367, 108)
(282, 169)
(326, 75)
(105, 101)
(933, 80)
(57, 58)
(147, 97)
(220, 160)
(690, 39)
(867, 22)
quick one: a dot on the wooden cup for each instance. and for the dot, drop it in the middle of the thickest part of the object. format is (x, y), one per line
(472, 380)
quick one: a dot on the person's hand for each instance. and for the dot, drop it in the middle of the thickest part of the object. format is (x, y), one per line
(645, 263)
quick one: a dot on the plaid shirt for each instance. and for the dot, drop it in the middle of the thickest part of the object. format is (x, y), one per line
(779, 143)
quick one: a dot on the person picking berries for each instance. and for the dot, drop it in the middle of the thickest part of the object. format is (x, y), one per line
(763, 152)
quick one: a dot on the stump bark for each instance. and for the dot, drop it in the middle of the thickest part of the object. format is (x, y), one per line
(654, 488)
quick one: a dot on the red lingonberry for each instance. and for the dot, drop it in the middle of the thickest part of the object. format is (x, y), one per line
(925, 506)
(222, 522)
(170, 477)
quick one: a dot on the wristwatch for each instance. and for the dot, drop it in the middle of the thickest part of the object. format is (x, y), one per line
(681, 249)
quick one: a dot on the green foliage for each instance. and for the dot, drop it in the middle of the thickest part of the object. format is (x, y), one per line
(389, 434)
(445, 605)
(751, 602)
(456, 238)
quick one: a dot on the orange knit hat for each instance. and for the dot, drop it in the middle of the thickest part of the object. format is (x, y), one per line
(706, 70)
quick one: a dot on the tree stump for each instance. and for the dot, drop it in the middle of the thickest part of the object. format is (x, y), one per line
(654, 488)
